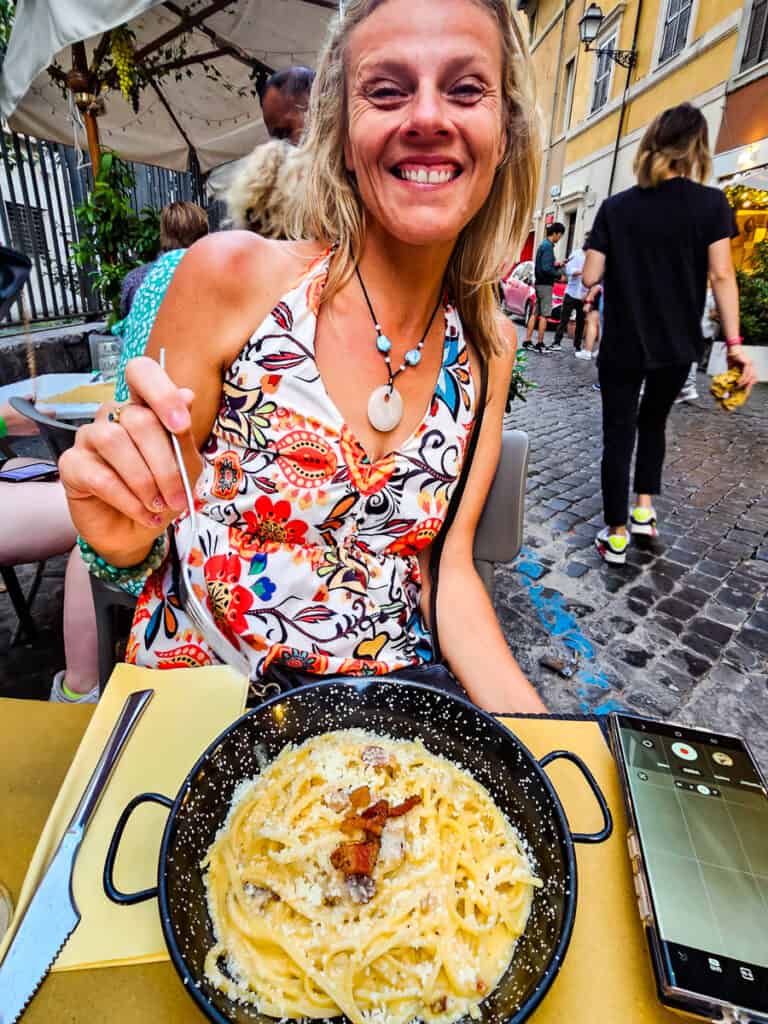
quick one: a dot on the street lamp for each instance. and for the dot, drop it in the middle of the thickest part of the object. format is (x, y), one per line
(589, 26)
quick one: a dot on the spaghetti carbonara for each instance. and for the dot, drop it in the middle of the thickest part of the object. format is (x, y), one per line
(364, 875)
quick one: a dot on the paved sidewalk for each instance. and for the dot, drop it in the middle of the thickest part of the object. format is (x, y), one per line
(677, 633)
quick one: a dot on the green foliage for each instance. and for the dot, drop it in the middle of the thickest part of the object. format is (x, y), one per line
(7, 13)
(147, 238)
(113, 237)
(519, 384)
(753, 297)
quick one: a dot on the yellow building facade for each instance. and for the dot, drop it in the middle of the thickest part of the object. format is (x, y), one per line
(594, 110)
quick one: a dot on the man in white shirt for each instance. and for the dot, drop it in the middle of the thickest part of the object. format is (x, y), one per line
(573, 300)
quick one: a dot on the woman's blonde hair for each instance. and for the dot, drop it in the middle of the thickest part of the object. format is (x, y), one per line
(675, 142)
(263, 193)
(331, 208)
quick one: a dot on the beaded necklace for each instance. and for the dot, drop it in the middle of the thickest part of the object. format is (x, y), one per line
(385, 406)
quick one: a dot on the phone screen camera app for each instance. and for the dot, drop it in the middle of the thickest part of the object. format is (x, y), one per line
(684, 751)
(722, 759)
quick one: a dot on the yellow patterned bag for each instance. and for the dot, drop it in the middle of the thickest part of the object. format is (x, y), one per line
(725, 388)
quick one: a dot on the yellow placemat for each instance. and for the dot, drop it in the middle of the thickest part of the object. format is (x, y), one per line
(606, 977)
(85, 394)
(189, 709)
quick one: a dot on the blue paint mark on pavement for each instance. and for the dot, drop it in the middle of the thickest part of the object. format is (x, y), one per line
(552, 611)
(530, 569)
(598, 679)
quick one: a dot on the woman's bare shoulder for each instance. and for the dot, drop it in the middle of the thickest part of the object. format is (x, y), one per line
(224, 287)
(237, 263)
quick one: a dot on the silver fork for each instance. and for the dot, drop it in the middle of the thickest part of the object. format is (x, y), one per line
(195, 609)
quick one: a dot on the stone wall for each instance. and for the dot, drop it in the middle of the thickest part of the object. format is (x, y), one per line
(56, 351)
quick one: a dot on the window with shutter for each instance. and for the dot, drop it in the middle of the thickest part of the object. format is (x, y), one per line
(756, 49)
(27, 228)
(602, 75)
(570, 78)
(675, 28)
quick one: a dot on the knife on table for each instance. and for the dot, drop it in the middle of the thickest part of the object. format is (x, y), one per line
(52, 914)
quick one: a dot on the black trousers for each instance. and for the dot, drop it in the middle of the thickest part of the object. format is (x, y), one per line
(624, 419)
(568, 306)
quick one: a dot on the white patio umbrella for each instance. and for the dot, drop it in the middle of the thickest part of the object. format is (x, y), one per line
(200, 99)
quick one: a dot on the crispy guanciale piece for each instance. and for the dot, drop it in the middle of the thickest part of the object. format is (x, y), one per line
(375, 757)
(372, 820)
(356, 858)
(400, 809)
(360, 797)
(375, 816)
(352, 823)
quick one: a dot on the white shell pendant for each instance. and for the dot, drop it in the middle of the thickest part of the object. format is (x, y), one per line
(385, 408)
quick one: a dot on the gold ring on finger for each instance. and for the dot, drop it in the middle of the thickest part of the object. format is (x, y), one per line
(114, 414)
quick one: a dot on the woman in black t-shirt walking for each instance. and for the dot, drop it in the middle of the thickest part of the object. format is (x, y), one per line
(652, 246)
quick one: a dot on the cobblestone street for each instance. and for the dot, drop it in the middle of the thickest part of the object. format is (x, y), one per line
(681, 632)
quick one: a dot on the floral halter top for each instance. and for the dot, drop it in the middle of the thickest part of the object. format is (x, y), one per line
(307, 550)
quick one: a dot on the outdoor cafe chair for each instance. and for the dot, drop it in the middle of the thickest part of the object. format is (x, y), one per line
(59, 436)
(499, 535)
(499, 538)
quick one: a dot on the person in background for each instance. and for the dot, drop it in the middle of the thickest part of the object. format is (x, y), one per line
(546, 272)
(710, 329)
(573, 300)
(285, 101)
(262, 197)
(37, 525)
(653, 246)
(181, 224)
(593, 314)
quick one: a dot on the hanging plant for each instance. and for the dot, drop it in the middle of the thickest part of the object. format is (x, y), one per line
(123, 56)
(113, 65)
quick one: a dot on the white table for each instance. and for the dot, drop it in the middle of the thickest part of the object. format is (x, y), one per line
(54, 384)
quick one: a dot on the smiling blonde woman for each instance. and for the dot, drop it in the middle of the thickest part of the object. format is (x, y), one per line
(341, 396)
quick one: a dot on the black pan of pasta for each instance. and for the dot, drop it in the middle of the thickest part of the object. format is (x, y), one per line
(370, 850)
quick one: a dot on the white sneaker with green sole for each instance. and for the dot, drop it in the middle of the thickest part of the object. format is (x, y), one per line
(58, 696)
(642, 522)
(612, 547)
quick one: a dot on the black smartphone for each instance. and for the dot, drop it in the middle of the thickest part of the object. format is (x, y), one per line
(32, 471)
(698, 841)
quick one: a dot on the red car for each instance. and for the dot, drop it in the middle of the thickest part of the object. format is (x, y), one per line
(519, 297)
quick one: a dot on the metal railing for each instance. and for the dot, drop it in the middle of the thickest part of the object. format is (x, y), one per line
(41, 183)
